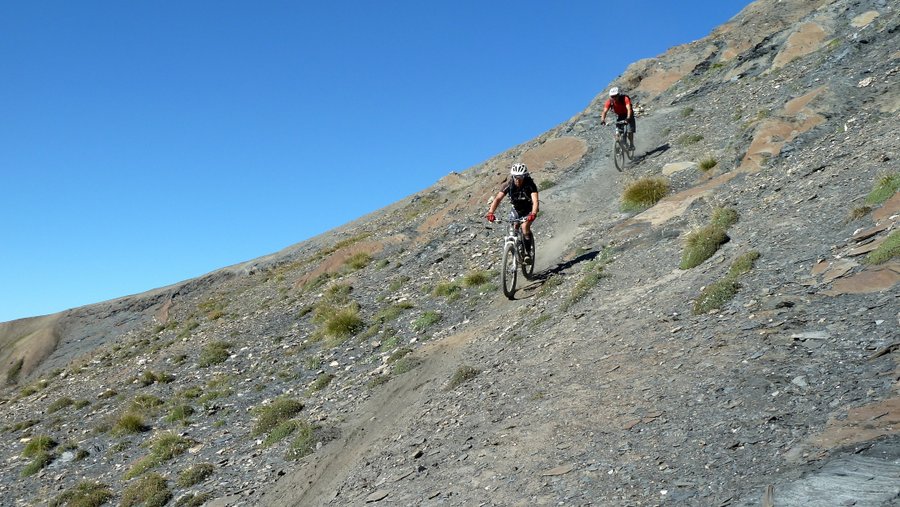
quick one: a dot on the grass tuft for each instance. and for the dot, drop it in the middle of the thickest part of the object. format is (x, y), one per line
(60, 404)
(708, 163)
(462, 375)
(714, 296)
(129, 422)
(724, 217)
(148, 491)
(701, 245)
(271, 415)
(886, 186)
(644, 193)
(887, 250)
(321, 382)
(476, 278)
(303, 443)
(37, 445)
(427, 320)
(214, 353)
(194, 475)
(84, 494)
(689, 139)
(358, 260)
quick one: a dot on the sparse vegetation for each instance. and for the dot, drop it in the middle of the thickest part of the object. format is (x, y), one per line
(12, 374)
(398, 283)
(271, 415)
(193, 500)
(60, 404)
(720, 292)
(392, 312)
(462, 375)
(644, 193)
(37, 445)
(689, 139)
(214, 353)
(358, 260)
(164, 447)
(702, 243)
(84, 494)
(447, 289)
(427, 320)
(129, 422)
(476, 278)
(41, 459)
(180, 413)
(858, 212)
(148, 491)
(708, 163)
(886, 186)
(145, 404)
(194, 475)
(404, 364)
(303, 443)
(321, 382)
(886, 251)
(592, 273)
(552, 282)
(546, 184)
(344, 323)
(687, 112)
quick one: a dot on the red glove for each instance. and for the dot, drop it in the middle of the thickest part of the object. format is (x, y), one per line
(490, 217)
(530, 217)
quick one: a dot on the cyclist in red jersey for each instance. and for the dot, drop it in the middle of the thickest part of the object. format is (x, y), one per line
(621, 104)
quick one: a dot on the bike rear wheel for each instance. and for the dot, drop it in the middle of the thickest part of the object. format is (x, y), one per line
(508, 273)
(619, 154)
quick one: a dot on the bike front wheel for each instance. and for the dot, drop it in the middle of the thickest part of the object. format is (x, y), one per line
(528, 269)
(508, 274)
(619, 154)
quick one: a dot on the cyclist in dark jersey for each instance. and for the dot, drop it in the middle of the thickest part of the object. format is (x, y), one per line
(523, 194)
(621, 104)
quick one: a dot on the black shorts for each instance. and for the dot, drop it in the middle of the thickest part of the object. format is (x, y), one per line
(522, 212)
(632, 125)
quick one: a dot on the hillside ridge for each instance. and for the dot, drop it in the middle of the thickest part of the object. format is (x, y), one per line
(381, 363)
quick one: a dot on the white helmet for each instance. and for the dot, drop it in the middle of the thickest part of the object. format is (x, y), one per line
(613, 91)
(518, 169)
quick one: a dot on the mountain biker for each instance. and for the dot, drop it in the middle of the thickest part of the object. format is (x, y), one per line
(523, 194)
(621, 104)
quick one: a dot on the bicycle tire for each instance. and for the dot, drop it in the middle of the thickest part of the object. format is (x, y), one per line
(528, 269)
(508, 270)
(619, 155)
(629, 152)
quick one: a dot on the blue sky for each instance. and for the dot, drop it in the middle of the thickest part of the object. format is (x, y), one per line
(145, 143)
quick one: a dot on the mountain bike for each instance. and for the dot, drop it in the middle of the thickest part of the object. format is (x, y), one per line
(514, 255)
(621, 150)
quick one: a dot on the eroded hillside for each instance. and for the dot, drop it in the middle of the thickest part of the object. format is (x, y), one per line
(381, 363)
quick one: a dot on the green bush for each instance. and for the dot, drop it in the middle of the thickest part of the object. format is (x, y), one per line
(358, 260)
(724, 217)
(644, 193)
(60, 404)
(714, 296)
(180, 413)
(194, 475)
(427, 319)
(148, 491)
(886, 186)
(321, 382)
(84, 494)
(476, 278)
(708, 163)
(163, 447)
(701, 245)
(37, 445)
(447, 289)
(886, 251)
(271, 415)
(41, 459)
(129, 422)
(344, 323)
(214, 353)
(304, 441)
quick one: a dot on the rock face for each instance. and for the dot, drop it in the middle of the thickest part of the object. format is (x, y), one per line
(380, 363)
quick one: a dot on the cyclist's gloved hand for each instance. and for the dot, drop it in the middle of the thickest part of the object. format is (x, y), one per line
(490, 217)
(530, 217)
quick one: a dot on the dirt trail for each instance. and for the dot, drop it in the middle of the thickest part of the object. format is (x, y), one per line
(318, 482)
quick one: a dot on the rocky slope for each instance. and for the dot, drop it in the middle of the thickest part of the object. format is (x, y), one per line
(381, 363)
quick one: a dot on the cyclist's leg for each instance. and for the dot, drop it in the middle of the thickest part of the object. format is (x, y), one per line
(632, 128)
